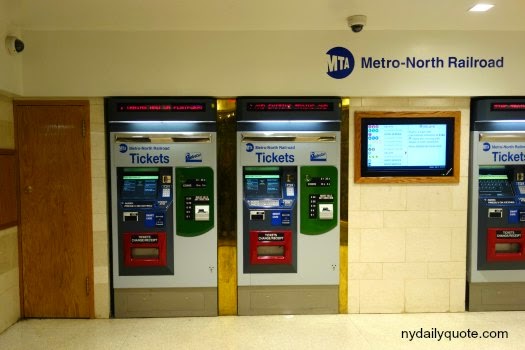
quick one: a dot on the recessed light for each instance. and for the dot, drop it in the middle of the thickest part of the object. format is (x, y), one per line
(481, 7)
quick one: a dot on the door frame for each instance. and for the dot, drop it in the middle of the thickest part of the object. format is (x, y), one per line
(89, 209)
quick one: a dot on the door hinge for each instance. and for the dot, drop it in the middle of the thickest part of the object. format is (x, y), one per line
(83, 128)
(87, 286)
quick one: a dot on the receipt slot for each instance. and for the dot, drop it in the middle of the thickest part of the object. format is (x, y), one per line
(162, 154)
(288, 196)
(496, 227)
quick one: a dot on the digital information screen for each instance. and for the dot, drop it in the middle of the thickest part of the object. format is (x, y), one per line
(139, 187)
(262, 186)
(407, 145)
(504, 107)
(161, 107)
(290, 106)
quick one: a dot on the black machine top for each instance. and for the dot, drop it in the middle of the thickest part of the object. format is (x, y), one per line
(497, 113)
(161, 113)
(287, 113)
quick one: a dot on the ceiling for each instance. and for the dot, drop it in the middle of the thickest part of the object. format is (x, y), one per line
(507, 15)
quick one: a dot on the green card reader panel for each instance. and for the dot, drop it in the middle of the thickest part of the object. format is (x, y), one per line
(319, 199)
(196, 196)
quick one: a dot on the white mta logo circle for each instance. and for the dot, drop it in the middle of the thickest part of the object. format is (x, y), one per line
(341, 62)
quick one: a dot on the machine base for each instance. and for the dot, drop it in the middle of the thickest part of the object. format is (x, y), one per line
(165, 302)
(500, 296)
(287, 300)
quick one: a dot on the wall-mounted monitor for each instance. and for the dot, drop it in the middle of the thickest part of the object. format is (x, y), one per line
(407, 146)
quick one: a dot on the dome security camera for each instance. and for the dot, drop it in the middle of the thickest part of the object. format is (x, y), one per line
(14, 45)
(356, 23)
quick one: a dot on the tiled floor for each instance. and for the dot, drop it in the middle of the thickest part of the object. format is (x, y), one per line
(325, 332)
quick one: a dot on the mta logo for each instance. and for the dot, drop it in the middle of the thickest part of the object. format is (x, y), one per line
(249, 147)
(486, 146)
(123, 148)
(341, 62)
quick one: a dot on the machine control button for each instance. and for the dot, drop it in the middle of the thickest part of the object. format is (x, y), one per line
(264, 203)
(513, 217)
(286, 218)
(149, 220)
(287, 203)
(276, 218)
(159, 219)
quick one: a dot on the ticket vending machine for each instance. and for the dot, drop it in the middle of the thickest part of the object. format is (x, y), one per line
(288, 205)
(162, 165)
(496, 227)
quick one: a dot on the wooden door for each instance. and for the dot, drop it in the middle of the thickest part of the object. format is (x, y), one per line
(55, 208)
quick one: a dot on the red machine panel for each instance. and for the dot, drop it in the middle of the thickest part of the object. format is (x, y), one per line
(505, 244)
(145, 249)
(270, 247)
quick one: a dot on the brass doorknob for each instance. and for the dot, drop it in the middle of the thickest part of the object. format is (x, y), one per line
(28, 189)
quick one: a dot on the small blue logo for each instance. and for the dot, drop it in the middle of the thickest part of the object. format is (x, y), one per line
(249, 147)
(486, 146)
(123, 148)
(318, 156)
(341, 62)
(193, 157)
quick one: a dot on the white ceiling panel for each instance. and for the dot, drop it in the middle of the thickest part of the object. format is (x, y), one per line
(507, 15)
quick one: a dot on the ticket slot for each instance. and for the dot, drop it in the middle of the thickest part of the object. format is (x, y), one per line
(275, 250)
(130, 216)
(145, 249)
(508, 248)
(270, 247)
(145, 253)
(505, 244)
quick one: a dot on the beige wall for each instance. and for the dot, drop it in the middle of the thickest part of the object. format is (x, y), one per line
(266, 63)
(7, 127)
(100, 210)
(10, 66)
(9, 290)
(407, 242)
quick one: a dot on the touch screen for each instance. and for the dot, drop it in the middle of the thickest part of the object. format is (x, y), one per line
(262, 185)
(139, 187)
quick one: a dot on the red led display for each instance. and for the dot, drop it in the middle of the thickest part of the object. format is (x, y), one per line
(507, 107)
(290, 106)
(161, 107)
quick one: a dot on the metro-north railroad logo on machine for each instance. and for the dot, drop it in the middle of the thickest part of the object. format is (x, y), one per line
(249, 147)
(486, 146)
(193, 157)
(123, 148)
(318, 156)
(341, 62)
